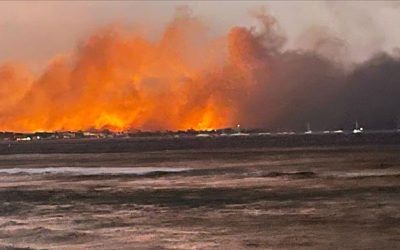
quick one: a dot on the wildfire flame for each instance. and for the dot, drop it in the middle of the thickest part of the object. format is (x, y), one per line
(120, 80)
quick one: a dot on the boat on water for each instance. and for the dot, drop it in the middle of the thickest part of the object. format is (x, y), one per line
(308, 131)
(357, 129)
(239, 132)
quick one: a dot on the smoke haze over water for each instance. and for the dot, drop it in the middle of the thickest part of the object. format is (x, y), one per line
(191, 77)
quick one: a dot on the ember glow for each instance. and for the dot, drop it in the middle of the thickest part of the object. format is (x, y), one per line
(119, 80)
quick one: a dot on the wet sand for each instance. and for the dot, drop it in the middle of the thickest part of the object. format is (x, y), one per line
(308, 197)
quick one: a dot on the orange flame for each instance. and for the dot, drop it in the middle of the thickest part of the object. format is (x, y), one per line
(121, 81)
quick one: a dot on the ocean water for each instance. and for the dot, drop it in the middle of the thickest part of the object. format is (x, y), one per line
(331, 197)
(91, 170)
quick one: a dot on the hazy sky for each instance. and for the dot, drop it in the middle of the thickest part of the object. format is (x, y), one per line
(33, 32)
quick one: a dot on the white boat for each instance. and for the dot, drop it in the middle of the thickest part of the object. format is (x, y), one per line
(239, 132)
(308, 131)
(357, 129)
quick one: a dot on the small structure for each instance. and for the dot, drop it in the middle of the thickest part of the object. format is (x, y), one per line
(24, 138)
(203, 135)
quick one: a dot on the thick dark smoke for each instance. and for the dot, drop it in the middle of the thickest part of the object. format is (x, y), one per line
(373, 91)
(307, 86)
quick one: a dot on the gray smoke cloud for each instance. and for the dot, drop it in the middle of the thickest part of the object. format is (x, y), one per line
(314, 85)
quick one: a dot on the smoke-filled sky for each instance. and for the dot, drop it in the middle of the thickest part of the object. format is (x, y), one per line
(34, 31)
(178, 65)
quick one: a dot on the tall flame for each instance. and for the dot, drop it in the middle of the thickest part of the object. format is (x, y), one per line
(120, 80)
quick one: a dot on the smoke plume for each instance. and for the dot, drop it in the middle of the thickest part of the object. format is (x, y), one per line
(119, 80)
